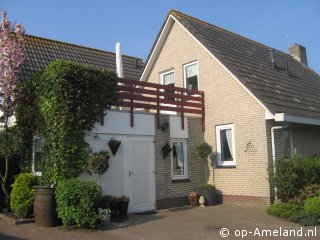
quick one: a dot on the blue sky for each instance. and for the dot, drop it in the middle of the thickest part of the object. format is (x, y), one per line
(135, 23)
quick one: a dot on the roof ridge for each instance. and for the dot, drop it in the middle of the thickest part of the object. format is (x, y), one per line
(81, 46)
(228, 31)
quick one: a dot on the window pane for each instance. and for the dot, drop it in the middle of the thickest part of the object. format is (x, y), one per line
(37, 155)
(168, 79)
(177, 158)
(37, 162)
(286, 144)
(191, 76)
(37, 145)
(226, 145)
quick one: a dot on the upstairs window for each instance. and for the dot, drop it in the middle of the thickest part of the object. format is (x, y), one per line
(191, 76)
(226, 145)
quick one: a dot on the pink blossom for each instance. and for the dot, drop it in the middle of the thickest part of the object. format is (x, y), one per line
(11, 57)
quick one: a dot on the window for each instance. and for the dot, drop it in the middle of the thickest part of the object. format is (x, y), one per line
(191, 76)
(36, 163)
(286, 138)
(167, 79)
(179, 159)
(225, 145)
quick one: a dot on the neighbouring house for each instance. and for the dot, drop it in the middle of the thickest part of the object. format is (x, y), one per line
(41, 51)
(261, 104)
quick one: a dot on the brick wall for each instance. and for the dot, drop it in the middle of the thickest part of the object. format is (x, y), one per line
(170, 193)
(226, 102)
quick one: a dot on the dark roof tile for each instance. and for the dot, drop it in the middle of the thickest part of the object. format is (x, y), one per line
(295, 93)
(41, 51)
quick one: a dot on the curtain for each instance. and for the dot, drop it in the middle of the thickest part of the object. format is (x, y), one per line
(229, 140)
(191, 70)
(168, 79)
(179, 149)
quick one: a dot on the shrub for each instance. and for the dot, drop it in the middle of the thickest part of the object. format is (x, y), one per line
(308, 221)
(312, 207)
(285, 210)
(207, 187)
(292, 176)
(77, 202)
(23, 194)
(306, 193)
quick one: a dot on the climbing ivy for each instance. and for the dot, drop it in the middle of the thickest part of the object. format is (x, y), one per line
(68, 99)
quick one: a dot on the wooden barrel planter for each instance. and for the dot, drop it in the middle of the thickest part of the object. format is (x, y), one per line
(45, 207)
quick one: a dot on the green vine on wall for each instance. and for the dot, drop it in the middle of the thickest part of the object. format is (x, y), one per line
(69, 98)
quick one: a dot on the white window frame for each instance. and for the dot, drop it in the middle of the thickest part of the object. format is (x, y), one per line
(165, 73)
(218, 138)
(185, 75)
(185, 158)
(37, 137)
(162, 83)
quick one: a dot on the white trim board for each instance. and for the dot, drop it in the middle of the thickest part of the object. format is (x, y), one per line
(284, 117)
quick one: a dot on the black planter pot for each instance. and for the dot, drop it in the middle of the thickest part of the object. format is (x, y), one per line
(114, 207)
(114, 146)
(123, 209)
(45, 207)
(211, 196)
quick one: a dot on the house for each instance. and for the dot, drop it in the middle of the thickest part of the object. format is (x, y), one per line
(261, 104)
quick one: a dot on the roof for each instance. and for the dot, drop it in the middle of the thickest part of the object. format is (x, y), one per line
(41, 51)
(295, 93)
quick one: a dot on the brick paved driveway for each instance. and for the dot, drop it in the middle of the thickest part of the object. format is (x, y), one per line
(180, 223)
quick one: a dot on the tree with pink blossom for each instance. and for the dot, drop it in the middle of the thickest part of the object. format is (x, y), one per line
(12, 54)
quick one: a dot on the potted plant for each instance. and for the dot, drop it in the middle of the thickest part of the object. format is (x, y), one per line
(203, 151)
(193, 199)
(208, 191)
(99, 163)
(105, 216)
(114, 145)
(105, 202)
(123, 207)
(114, 207)
(166, 149)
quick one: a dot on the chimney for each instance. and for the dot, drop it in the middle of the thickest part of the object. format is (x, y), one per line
(299, 53)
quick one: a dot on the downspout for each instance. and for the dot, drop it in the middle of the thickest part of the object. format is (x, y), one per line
(274, 149)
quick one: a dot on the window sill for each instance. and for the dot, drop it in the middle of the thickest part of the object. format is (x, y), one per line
(227, 166)
(180, 180)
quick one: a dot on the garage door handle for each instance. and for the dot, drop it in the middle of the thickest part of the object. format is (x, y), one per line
(130, 173)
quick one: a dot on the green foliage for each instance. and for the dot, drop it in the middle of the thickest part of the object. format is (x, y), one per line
(306, 193)
(203, 150)
(60, 104)
(23, 194)
(285, 210)
(312, 207)
(12, 139)
(309, 221)
(77, 202)
(292, 176)
(29, 120)
(99, 162)
(207, 187)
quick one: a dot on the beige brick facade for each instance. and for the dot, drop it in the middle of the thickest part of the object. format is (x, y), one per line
(174, 192)
(226, 102)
